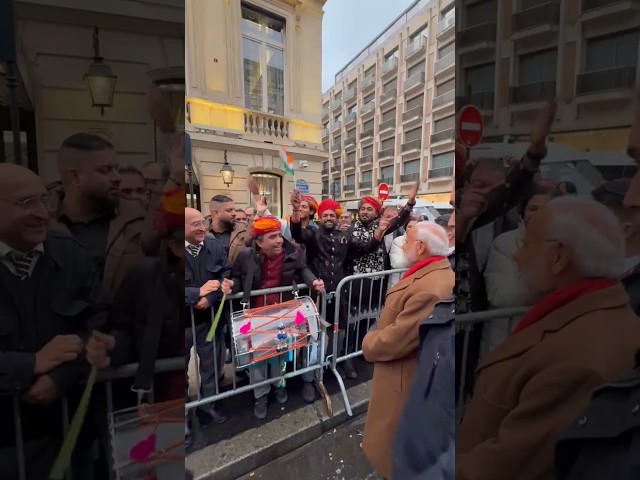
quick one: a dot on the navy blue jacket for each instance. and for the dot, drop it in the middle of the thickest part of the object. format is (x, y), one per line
(425, 440)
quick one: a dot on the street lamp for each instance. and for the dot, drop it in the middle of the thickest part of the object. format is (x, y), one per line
(100, 79)
(227, 172)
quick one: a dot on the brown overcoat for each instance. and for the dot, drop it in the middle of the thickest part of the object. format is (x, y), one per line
(393, 347)
(532, 386)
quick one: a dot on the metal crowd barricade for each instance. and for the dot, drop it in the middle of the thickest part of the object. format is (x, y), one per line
(106, 378)
(500, 323)
(219, 353)
(359, 308)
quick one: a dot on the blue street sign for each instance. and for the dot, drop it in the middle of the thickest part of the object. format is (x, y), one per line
(302, 186)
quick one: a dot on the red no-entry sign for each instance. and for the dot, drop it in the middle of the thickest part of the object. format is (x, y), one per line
(470, 126)
(383, 191)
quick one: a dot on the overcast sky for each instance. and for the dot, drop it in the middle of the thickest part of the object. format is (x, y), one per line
(348, 26)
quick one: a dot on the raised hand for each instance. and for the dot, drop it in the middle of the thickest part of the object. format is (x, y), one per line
(253, 185)
(542, 125)
(414, 192)
(296, 198)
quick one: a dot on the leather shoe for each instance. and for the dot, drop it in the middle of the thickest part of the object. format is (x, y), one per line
(214, 414)
(308, 392)
(260, 408)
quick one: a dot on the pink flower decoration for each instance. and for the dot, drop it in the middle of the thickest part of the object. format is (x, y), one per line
(142, 450)
(246, 328)
(299, 319)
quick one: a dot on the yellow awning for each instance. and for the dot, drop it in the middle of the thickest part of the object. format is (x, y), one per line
(436, 197)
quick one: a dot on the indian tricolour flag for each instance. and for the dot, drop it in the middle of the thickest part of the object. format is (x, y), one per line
(287, 161)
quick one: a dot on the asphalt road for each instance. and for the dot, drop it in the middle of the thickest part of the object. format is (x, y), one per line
(336, 455)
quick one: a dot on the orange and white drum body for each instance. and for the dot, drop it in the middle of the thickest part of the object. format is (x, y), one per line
(266, 332)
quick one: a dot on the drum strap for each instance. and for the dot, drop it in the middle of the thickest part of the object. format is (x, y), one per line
(143, 383)
(248, 281)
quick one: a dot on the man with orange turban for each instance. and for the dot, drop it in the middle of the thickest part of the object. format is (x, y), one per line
(270, 262)
(328, 247)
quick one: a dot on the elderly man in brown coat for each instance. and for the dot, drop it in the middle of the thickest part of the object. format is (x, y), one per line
(580, 334)
(393, 345)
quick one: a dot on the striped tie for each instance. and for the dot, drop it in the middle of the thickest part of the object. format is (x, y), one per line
(21, 263)
(193, 250)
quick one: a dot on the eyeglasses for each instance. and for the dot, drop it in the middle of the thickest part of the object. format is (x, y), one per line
(204, 224)
(31, 204)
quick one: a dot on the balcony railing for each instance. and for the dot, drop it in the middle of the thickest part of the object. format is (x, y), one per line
(387, 180)
(589, 5)
(387, 125)
(414, 113)
(366, 159)
(444, 62)
(389, 65)
(448, 134)
(446, 23)
(268, 127)
(368, 133)
(485, 32)
(336, 126)
(350, 94)
(618, 78)
(335, 104)
(414, 80)
(369, 107)
(349, 165)
(389, 95)
(387, 153)
(325, 132)
(366, 184)
(325, 191)
(325, 171)
(533, 92)
(482, 100)
(440, 172)
(350, 187)
(546, 13)
(415, 46)
(368, 82)
(444, 98)
(350, 141)
(409, 177)
(352, 117)
(336, 169)
(411, 146)
(337, 146)
(325, 111)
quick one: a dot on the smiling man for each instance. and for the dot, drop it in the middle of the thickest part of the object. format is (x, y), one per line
(89, 207)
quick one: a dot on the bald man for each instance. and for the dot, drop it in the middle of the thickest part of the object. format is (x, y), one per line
(90, 208)
(206, 278)
(47, 312)
(580, 334)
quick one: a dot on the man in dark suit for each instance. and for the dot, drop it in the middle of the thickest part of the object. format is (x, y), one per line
(50, 301)
(206, 278)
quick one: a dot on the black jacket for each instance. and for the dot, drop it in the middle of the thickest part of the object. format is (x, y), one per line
(294, 269)
(632, 286)
(216, 268)
(66, 297)
(150, 281)
(328, 250)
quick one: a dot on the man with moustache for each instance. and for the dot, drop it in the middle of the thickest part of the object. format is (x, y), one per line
(232, 235)
(579, 335)
(328, 248)
(308, 209)
(89, 207)
(393, 344)
(50, 302)
(271, 262)
(206, 277)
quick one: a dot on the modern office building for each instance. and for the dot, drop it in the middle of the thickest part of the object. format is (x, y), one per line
(253, 85)
(389, 117)
(512, 55)
(142, 44)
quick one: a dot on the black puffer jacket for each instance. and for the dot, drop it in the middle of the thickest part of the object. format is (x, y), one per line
(328, 250)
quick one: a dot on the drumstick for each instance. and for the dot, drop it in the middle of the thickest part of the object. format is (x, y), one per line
(216, 319)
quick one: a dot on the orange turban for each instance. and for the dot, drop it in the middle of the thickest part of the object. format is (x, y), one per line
(374, 202)
(313, 204)
(329, 205)
(262, 226)
(170, 212)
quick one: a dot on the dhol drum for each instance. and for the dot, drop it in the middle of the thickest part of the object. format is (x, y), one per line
(266, 332)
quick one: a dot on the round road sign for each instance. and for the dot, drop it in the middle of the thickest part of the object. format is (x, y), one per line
(383, 191)
(470, 126)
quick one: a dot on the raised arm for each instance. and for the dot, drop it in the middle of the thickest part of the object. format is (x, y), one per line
(357, 249)
(304, 236)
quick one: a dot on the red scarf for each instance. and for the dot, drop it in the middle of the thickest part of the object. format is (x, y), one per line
(560, 298)
(421, 264)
